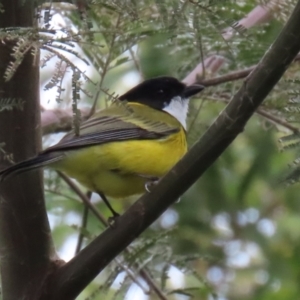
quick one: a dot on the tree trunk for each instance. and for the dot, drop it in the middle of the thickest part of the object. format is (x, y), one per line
(26, 244)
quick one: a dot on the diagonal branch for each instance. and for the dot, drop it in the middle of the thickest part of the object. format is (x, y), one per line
(71, 278)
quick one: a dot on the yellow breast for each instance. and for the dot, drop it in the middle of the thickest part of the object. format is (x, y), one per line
(121, 169)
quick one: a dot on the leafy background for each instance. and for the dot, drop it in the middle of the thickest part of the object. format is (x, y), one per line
(235, 233)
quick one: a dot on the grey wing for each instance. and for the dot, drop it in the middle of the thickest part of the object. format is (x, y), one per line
(105, 129)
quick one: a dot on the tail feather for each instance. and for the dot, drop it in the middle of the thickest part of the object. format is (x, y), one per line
(39, 161)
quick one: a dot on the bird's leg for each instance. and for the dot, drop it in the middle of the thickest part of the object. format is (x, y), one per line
(114, 213)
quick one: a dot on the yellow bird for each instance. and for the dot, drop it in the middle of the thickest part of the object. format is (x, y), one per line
(120, 149)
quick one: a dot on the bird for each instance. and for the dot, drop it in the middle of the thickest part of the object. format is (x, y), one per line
(122, 148)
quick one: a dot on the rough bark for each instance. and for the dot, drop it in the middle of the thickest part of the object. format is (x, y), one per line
(25, 239)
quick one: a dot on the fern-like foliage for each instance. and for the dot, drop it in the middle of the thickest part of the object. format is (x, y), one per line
(292, 112)
(10, 104)
(154, 255)
(292, 142)
(76, 98)
(28, 43)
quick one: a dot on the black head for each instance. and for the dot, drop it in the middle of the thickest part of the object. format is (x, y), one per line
(158, 92)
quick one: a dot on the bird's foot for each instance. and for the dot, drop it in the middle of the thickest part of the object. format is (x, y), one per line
(150, 184)
(113, 220)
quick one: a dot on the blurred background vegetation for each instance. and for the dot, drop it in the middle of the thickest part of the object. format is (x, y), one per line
(236, 233)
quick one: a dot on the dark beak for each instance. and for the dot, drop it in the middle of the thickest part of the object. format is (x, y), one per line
(192, 90)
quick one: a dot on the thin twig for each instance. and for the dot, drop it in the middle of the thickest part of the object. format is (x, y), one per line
(212, 63)
(83, 224)
(60, 194)
(196, 116)
(136, 63)
(58, 120)
(82, 196)
(265, 114)
(131, 274)
(152, 284)
(277, 120)
(240, 74)
(105, 68)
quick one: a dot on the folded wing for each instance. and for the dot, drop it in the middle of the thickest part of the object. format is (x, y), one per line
(123, 123)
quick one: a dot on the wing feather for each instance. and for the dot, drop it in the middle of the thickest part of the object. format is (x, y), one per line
(103, 129)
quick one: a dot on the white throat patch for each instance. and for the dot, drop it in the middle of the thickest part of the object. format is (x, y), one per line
(178, 108)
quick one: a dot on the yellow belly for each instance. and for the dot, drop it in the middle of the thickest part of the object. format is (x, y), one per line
(121, 169)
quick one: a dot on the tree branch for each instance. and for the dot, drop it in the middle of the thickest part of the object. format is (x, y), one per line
(83, 197)
(58, 120)
(236, 75)
(71, 278)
